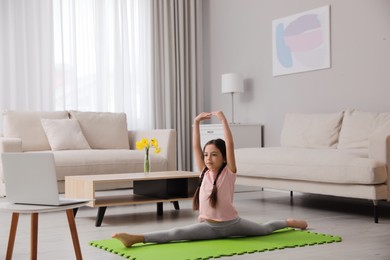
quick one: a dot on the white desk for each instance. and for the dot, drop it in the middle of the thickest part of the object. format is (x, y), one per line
(34, 210)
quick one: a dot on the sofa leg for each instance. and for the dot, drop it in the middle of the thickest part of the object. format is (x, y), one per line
(291, 198)
(376, 208)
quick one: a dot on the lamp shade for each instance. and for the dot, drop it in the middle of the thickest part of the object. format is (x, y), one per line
(232, 83)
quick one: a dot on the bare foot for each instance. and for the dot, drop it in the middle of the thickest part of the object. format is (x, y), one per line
(296, 223)
(128, 239)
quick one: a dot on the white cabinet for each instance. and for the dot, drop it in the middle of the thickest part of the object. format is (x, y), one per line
(244, 135)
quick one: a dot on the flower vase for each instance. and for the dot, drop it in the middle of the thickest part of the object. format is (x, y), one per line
(146, 162)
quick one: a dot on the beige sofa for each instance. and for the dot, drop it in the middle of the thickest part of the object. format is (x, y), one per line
(344, 154)
(84, 143)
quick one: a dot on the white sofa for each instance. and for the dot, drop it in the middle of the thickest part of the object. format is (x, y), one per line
(84, 143)
(343, 154)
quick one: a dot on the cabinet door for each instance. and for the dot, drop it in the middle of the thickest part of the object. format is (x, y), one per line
(210, 132)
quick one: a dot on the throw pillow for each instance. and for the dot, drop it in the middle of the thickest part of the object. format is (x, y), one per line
(104, 130)
(311, 130)
(64, 134)
(358, 126)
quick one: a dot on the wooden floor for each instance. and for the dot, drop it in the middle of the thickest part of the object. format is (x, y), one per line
(351, 219)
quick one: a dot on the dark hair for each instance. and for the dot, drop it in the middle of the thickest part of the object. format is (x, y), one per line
(213, 199)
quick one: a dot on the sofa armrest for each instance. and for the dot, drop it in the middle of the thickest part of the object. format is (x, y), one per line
(379, 145)
(8, 144)
(379, 149)
(166, 139)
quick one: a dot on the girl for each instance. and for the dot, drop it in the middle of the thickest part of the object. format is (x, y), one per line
(214, 197)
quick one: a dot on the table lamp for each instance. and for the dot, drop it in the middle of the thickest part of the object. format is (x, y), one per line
(232, 83)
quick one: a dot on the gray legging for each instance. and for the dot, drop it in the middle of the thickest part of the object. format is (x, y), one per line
(213, 230)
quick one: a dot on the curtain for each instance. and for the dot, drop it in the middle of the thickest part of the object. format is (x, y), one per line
(26, 48)
(176, 57)
(90, 55)
(103, 57)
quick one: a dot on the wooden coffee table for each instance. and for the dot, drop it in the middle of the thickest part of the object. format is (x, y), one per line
(155, 187)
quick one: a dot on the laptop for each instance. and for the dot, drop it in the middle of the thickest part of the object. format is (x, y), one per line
(30, 178)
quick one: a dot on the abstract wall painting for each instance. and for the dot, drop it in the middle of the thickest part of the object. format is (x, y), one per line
(301, 42)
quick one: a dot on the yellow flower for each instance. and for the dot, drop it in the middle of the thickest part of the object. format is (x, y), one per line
(154, 142)
(144, 143)
(139, 145)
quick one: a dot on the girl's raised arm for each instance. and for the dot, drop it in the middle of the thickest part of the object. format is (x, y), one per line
(196, 146)
(230, 157)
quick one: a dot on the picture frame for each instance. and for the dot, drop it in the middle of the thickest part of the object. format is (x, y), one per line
(301, 42)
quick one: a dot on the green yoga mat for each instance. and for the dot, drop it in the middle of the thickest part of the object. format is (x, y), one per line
(206, 249)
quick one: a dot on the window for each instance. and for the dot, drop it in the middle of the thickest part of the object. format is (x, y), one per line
(102, 57)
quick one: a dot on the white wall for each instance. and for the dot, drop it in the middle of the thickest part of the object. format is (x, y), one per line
(237, 38)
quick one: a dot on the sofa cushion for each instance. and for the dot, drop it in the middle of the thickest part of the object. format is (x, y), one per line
(105, 161)
(27, 126)
(314, 165)
(103, 130)
(358, 126)
(311, 130)
(64, 134)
